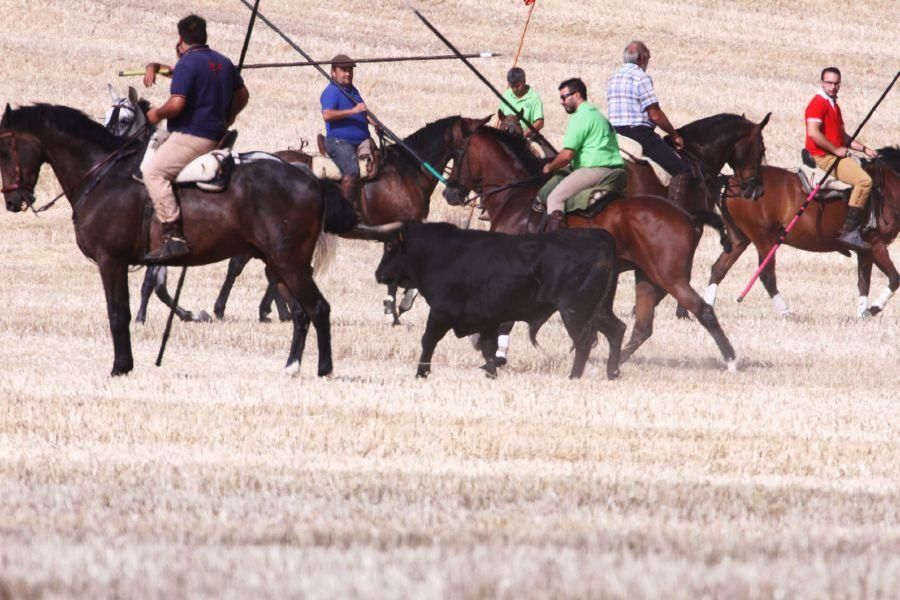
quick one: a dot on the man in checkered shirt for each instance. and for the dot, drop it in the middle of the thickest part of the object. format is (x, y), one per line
(634, 112)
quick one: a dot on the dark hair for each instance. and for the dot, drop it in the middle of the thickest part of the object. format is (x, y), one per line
(834, 70)
(192, 29)
(575, 85)
(515, 75)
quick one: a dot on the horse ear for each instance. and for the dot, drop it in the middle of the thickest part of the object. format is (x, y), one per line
(132, 94)
(485, 120)
(6, 114)
(764, 121)
(112, 94)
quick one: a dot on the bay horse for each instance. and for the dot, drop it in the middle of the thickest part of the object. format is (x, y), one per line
(761, 223)
(270, 210)
(402, 191)
(653, 237)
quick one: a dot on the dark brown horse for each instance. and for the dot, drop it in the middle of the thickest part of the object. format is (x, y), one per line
(402, 191)
(761, 222)
(653, 237)
(271, 210)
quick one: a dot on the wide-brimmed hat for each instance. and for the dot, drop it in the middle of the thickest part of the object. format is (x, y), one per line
(342, 60)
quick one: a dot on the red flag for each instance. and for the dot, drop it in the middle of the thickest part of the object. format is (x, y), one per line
(529, 2)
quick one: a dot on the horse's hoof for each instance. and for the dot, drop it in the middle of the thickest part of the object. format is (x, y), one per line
(612, 375)
(292, 369)
(500, 361)
(264, 319)
(325, 370)
(872, 311)
(732, 365)
(120, 371)
(490, 370)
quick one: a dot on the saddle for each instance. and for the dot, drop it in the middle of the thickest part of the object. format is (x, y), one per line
(367, 153)
(591, 201)
(210, 172)
(809, 174)
(632, 151)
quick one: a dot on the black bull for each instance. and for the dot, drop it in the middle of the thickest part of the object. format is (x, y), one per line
(475, 280)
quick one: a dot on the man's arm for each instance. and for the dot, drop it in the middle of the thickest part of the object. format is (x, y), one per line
(560, 161)
(333, 114)
(814, 131)
(859, 146)
(152, 69)
(239, 101)
(535, 127)
(172, 108)
(659, 118)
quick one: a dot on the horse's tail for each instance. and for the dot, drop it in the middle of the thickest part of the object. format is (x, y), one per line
(339, 215)
(702, 217)
(326, 248)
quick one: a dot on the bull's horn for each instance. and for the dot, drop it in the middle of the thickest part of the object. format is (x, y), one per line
(379, 233)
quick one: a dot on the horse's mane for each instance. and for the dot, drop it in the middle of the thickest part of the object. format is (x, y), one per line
(63, 119)
(699, 131)
(890, 155)
(143, 104)
(429, 140)
(517, 145)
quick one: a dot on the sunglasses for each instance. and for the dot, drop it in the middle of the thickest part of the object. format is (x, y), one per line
(564, 96)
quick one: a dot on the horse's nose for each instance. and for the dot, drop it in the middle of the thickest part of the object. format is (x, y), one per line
(451, 194)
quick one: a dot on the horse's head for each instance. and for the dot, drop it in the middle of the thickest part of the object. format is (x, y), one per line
(21, 158)
(747, 158)
(462, 129)
(511, 124)
(127, 115)
(460, 181)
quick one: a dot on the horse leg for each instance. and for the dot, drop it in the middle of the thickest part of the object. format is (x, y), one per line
(767, 277)
(235, 267)
(284, 313)
(115, 285)
(301, 322)
(435, 330)
(864, 261)
(316, 309)
(147, 287)
(163, 294)
(406, 303)
(503, 343)
(489, 351)
(390, 304)
(685, 294)
(646, 297)
(886, 265)
(721, 267)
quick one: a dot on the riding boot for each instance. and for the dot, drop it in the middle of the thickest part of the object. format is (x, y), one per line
(849, 234)
(350, 189)
(173, 244)
(556, 220)
(535, 218)
(678, 189)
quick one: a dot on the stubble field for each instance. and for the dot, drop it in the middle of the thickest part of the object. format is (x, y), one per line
(217, 476)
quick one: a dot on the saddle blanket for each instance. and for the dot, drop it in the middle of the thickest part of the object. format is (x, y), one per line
(611, 186)
(632, 151)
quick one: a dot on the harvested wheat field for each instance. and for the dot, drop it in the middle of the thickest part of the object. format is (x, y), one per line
(218, 476)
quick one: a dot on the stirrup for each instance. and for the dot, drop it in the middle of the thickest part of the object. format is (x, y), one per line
(172, 247)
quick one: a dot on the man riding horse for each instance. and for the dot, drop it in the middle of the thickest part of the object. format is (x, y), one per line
(590, 152)
(826, 141)
(634, 112)
(206, 95)
(525, 100)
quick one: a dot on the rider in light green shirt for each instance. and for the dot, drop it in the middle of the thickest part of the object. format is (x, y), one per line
(590, 153)
(523, 97)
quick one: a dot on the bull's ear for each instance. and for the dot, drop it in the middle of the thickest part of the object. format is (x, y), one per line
(132, 94)
(764, 121)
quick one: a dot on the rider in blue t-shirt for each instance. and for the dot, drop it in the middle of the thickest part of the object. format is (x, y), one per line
(206, 95)
(346, 124)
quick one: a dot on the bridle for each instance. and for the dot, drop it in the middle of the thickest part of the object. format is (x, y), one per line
(480, 189)
(17, 169)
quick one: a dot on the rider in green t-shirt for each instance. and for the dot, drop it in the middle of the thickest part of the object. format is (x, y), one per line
(523, 97)
(590, 153)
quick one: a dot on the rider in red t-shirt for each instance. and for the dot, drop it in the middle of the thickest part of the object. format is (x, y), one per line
(826, 140)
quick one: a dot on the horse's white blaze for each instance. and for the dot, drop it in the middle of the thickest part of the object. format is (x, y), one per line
(780, 306)
(886, 294)
(292, 369)
(732, 365)
(862, 307)
(710, 296)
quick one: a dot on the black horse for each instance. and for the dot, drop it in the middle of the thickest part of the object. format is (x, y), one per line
(271, 210)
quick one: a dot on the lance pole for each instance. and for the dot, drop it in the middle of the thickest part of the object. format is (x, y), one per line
(434, 172)
(168, 330)
(812, 195)
(483, 79)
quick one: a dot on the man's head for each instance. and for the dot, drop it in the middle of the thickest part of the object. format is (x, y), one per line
(637, 53)
(572, 92)
(831, 81)
(342, 69)
(515, 77)
(191, 32)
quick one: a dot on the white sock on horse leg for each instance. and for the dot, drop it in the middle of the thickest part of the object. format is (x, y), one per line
(502, 345)
(883, 298)
(862, 306)
(780, 305)
(710, 296)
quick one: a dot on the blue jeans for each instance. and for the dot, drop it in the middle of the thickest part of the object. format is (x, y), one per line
(343, 153)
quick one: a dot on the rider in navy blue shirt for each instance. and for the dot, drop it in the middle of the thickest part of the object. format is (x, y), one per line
(206, 95)
(346, 124)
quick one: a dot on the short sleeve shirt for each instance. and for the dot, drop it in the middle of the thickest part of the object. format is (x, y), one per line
(592, 139)
(354, 128)
(208, 81)
(629, 92)
(530, 104)
(826, 111)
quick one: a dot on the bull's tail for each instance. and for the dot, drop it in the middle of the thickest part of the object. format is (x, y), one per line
(339, 215)
(702, 217)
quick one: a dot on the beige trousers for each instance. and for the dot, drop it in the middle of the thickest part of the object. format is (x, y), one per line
(849, 171)
(577, 180)
(162, 169)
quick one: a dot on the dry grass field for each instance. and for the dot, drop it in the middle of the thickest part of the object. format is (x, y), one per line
(216, 476)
